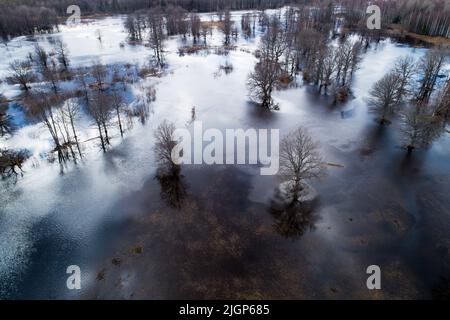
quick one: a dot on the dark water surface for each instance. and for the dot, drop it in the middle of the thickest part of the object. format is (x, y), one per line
(383, 208)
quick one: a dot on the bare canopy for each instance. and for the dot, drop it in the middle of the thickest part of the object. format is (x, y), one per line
(300, 160)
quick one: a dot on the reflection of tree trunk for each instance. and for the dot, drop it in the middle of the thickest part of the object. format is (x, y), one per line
(265, 102)
(267, 99)
(106, 134)
(101, 137)
(173, 189)
(120, 122)
(54, 135)
(75, 137)
(296, 190)
(53, 123)
(60, 155)
(68, 142)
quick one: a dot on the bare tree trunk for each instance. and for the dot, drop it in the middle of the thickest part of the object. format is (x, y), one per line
(106, 134)
(120, 122)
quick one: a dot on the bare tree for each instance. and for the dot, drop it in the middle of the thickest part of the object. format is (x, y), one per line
(404, 69)
(266, 76)
(195, 24)
(307, 43)
(118, 107)
(41, 57)
(204, 31)
(164, 144)
(429, 68)
(39, 106)
(328, 69)
(47, 66)
(50, 74)
(246, 25)
(157, 34)
(273, 43)
(173, 189)
(419, 127)
(63, 54)
(99, 73)
(135, 26)
(383, 99)
(11, 162)
(20, 73)
(442, 108)
(262, 81)
(71, 110)
(6, 126)
(176, 21)
(300, 160)
(100, 111)
(81, 80)
(348, 58)
(141, 105)
(130, 26)
(226, 27)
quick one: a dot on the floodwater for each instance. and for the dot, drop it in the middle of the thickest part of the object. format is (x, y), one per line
(216, 231)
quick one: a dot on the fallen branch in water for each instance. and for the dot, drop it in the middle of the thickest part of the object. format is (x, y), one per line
(335, 165)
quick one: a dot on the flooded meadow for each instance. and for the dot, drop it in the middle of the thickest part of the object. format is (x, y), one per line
(218, 231)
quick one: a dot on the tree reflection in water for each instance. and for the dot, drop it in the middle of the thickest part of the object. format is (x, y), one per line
(293, 218)
(173, 188)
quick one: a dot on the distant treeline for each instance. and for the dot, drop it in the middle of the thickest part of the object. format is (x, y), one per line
(426, 17)
(22, 17)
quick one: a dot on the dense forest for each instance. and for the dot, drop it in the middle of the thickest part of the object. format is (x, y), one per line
(22, 17)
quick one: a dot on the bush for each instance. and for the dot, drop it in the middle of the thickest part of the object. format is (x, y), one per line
(11, 162)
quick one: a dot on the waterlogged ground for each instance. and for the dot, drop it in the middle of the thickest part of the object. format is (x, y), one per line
(222, 237)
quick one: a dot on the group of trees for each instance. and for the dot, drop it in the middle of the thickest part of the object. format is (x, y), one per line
(333, 66)
(303, 44)
(99, 96)
(389, 93)
(155, 25)
(248, 24)
(23, 20)
(266, 76)
(412, 91)
(41, 65)
(426, 17)
(11, 162)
